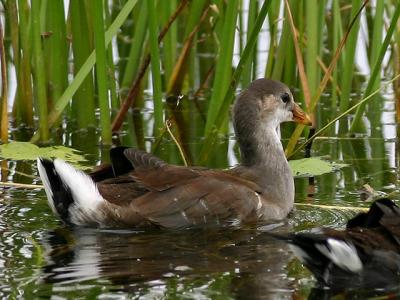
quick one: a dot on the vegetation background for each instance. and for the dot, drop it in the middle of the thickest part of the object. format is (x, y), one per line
(82, 65)
(161, 76)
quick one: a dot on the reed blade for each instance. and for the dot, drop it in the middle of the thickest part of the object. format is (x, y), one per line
(357, 124)
(101, 71)
(39, 71)
(86, 68)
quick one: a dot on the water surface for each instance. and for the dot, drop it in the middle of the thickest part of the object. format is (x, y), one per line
(40, 258)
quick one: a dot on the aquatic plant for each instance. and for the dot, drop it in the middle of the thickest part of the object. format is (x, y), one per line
(98, 59)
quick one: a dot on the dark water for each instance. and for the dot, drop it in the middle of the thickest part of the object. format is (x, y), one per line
(39, 258)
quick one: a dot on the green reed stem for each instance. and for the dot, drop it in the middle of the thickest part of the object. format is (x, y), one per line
(273, 28)
(195, 11)
(289, 70)
(336, 34)
(186, 60)
(176, 79)
(221, 6)
(39, 72)
(223, 66)
(252, 15)
(321, 32)
(377, 32)
(86, 67)
(362, 102)
(299, 128)
(299, 57)
(281, 52)
(247, 51)
(349, 54)
(11, 20)
(336, 58)
(112, 80)
(377, 36)
(134, 89)
(170, 40)
(312, 49)
(136, 48)
(303, 78)
(155, 69)
(56, 50)
(4, 90)
(241, 28)
(23, 105)
(356, 125)
(101, 71)
(83, 108)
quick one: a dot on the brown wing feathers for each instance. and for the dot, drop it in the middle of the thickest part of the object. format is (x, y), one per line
(174, 196)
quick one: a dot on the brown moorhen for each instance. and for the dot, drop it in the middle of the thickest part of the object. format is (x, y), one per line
(139, 189)
(365, 255)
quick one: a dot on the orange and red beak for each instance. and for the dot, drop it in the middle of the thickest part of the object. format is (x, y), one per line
(299, 116)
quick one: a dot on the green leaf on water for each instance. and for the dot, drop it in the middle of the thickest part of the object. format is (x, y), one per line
(19, 151)
(313, 166)
(65, 153)
(29, 151)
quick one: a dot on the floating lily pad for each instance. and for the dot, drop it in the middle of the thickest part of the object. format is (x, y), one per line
(313, 166)
(28, 151)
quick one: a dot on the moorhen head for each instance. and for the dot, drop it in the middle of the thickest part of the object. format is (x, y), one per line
(364, 255)
(138, 189)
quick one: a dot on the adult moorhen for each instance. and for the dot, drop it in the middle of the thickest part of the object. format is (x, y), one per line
(139, 189)
(365, 255)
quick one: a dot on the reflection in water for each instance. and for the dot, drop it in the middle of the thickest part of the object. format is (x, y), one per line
(309, 217)
(194, 264)
(244, 263)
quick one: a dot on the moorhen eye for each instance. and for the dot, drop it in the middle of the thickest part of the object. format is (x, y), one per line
(285, 97)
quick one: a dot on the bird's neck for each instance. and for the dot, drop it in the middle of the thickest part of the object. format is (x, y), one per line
(262, 152)
(262, 148)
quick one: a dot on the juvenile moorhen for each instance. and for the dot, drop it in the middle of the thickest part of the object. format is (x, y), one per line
(365, 255)
(139, 189)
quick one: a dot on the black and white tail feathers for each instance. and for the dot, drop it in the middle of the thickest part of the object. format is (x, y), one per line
(72, 195)
(367, 253)
(325, 256)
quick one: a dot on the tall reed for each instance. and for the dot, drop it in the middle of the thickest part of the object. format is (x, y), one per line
(136, 47)
(101, 71)
(349, 56)
(169, 49)
(187, 47)
(4, 90)
(357, 124)
(21, 33)
(83, 104)
(155, 69)
(223, 68)
(312, 50)
(247, 76)
(207, 149)
(39, 73)
(86, 68)
(55, 46)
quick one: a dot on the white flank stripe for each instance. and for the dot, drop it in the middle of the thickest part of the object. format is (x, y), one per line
(342, 254)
